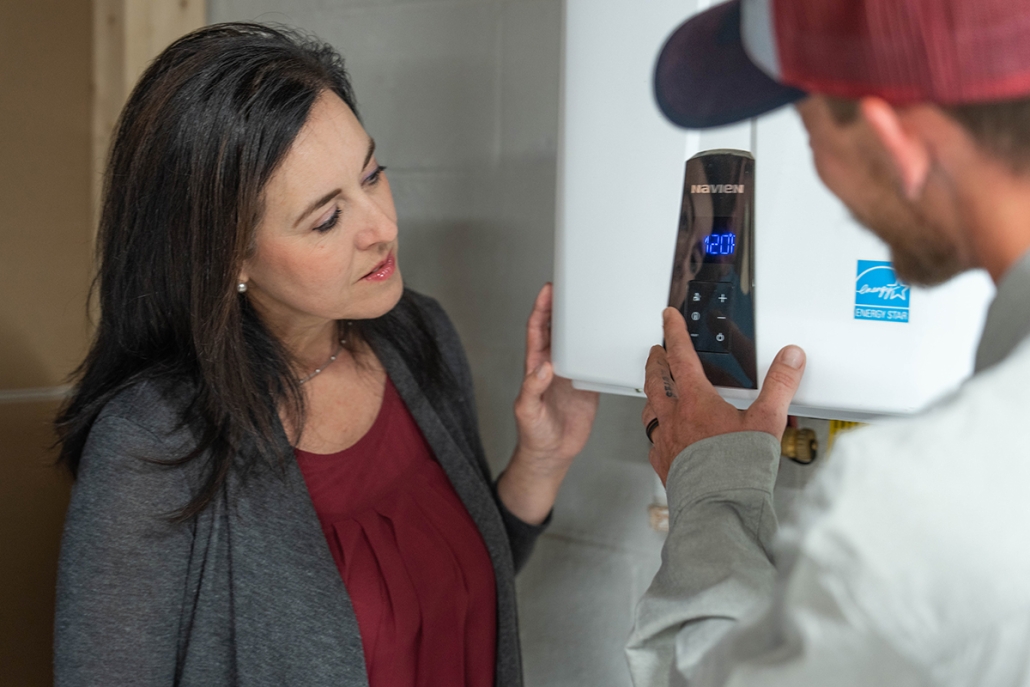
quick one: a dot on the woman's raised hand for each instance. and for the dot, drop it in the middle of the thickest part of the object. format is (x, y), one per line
(553, 421)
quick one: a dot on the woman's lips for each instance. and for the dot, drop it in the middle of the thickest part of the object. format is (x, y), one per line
(383, 270)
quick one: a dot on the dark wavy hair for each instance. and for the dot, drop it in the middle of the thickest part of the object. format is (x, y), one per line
(203, 131)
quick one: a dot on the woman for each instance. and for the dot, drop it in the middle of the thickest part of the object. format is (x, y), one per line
(279, 475)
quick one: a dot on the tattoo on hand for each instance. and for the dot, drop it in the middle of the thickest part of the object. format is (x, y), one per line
(669, 391)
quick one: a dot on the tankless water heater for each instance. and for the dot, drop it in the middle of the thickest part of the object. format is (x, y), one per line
(732, 227)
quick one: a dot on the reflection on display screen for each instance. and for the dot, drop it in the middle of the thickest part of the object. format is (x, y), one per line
(720, 244)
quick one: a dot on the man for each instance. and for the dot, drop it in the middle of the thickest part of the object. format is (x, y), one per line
(907, 561)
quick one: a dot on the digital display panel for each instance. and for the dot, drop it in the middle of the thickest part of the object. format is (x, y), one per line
(720, 244)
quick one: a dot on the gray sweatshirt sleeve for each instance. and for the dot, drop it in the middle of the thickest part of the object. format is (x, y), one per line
(716, 564)
(123, 565)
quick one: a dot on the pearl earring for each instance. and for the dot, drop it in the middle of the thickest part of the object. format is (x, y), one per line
(242, 287)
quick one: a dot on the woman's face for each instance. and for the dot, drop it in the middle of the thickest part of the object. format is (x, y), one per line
(326, 246)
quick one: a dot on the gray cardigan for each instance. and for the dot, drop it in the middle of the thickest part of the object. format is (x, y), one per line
(247, 593)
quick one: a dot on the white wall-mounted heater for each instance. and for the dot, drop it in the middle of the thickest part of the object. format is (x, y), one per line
(733, 227)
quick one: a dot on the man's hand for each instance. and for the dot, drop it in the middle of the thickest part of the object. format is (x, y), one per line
(688, 407)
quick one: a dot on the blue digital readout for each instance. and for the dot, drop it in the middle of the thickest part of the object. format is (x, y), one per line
(720, 244)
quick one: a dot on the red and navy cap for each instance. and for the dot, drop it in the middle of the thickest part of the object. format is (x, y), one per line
(743, 58)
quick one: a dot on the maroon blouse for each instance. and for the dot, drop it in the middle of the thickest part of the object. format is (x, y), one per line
(413, 561)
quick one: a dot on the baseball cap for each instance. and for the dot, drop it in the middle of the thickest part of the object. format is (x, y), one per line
(743, 58)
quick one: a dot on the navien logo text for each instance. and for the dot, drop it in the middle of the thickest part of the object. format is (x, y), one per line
(717, 188)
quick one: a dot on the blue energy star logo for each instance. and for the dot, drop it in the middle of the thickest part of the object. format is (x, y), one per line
(879, 294)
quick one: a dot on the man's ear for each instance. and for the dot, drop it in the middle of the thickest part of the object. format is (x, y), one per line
(909, 154)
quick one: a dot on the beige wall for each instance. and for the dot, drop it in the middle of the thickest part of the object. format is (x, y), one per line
(128, 34)
(65, 68)
(32, 502)
(45, 148)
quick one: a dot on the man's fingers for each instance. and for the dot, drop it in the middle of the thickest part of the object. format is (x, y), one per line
(683, 360)
(648, 414)
(659, 385)
(769, 410)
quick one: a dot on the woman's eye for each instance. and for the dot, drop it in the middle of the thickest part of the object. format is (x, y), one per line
(329, 223)
(373, 178)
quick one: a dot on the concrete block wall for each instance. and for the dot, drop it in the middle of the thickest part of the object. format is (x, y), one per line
(462, 99)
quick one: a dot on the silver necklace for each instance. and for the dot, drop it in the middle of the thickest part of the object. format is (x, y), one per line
(332, 359)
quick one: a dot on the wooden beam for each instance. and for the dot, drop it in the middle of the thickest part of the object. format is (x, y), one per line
(127, 36)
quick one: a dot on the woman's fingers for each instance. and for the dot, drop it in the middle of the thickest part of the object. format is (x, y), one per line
(530, 401)
(538, 330)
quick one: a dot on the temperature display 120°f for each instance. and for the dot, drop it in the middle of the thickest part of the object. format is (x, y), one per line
(720, 244)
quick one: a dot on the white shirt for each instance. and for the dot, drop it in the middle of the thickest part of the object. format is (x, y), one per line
(907, 561)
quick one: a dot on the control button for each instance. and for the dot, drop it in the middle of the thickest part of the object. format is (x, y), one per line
(720, 343)
(722, 298)
(695, 309)
(720, 333)
(719, 316)
(698, 294)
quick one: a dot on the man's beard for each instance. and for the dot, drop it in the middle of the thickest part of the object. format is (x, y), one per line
(921, 254)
